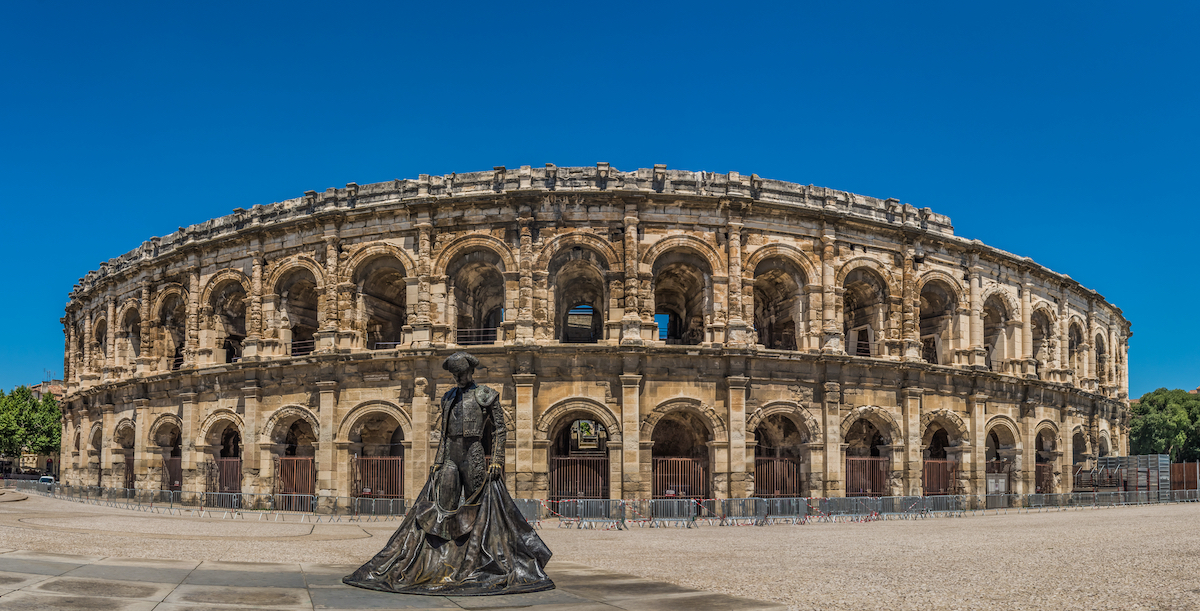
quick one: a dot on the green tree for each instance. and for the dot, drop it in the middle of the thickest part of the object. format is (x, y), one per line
(1166, 422)
(28, 424)
(10, 429)
(43, 430)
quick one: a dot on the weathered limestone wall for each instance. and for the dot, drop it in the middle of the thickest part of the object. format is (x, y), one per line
(826, 308)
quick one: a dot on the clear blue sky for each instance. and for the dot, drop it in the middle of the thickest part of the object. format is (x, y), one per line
(1066, 133)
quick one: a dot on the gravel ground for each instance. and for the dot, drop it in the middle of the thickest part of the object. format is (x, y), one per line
(1126, 558)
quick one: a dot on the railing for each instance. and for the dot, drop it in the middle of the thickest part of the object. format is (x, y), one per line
(776, 477)
(303, 347)
(476, 337)
(939, 477)
(378, 477)
(866, 476)
(579, 477)
(387, 345)
(680, 478)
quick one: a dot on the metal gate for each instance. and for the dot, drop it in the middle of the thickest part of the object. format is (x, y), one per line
(680, 478)
(866, 476)
(129, 475)
(578, 477)
(776, 477)
(172, 474)
(295, 483)
(1044, 479)
(940, 476)
(224, 475)
(379, 477)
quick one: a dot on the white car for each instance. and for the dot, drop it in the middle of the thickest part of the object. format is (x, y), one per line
(46, 479)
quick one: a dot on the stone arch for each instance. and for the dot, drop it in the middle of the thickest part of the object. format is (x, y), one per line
(474, 242)
(374, 407)
(218, 415)
(93, 433)
(364, 253)
(161, 421)
(574, 405)
(132, 303)
(701, 248)
(1004, 422)
(160, 297)
(705, 412)
(1047, 310)
(1105, 440)
(1006, 297)
(883, 421)
(791, 410)
(222, 277)
(584, 239)
(279, 421)
(280, 268)
(885, 274)
(1049, 425)
(936, 274)
(787, 252)
(125, 427)
(949, 420)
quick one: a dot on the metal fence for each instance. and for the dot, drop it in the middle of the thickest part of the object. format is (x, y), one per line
(776, 477)
(679, 478)
(866, 476)
(579, 477)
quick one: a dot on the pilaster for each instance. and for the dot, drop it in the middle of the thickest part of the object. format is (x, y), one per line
(631, 483)
(327, 469)
(740, 484)
(524, 433)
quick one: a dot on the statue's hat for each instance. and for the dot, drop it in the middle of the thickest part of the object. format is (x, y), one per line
(459, 362)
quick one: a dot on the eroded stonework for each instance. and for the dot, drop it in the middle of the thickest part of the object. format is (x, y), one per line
(743, 312)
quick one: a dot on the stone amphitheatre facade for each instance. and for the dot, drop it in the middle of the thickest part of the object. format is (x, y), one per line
(653, 333)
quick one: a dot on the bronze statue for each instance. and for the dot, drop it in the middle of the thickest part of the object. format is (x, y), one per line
(463, 535)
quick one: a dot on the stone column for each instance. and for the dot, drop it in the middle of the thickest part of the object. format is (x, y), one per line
(326, 467)
(910, 331)
(145, 361)
(88, 341)
(192, 346)
(189, 415)
(524, 328)
(107, 421)
(68, 352)
(740, 484)
(737, 329)
(524, 434)
(418, 460)
(977, 421)
(631, 320)
(141, 428)
(326, 338)
(912, 458)
(631, 484)
(1026, 353)
(831, 407)
(251, 461)
(110, 357)
(252, 346)
(422, 328)
(978, 352)
(831, 332)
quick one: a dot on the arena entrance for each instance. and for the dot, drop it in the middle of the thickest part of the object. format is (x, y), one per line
(223, 475)
(169, 441)
(123, 445)
(999, 454)
(939, 471)
(1044, 474)
(778, 458)
(579, 465)
(867, 460)
(296, 470)
(679, 457)
(377, 465)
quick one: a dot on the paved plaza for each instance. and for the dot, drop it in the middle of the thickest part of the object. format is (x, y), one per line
(60, 554)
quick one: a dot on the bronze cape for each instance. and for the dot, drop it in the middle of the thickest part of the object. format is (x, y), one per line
(484, 547)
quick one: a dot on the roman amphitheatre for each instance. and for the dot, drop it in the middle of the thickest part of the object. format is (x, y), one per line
(652, 334)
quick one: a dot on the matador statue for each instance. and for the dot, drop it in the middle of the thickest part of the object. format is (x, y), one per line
(464, 535)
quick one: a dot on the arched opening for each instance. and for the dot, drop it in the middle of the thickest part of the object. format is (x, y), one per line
(1044, 459)
(130, 338)
(297, 307)
(1000, 452)
(228, 321)
(936, 309)
(1079, 453)
(94, 446)
(778, 304)
(383, 302)
(1043, 346)
(940, 468)
(996, 333)
(1102, 449)
(295, 468)
(778, 458)
(680, 457)
(123, 441)
(868, 460)
(169, 440)
(476, 281)
(682, 297)
(223, 477)
(579, 466)
(864, 311)
(577, 295)
(100, 345)
(377, 446)
(172, 319)
(1101, 366)
(1075, 351)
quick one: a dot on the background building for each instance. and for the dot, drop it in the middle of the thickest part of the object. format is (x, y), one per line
(651, 333)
